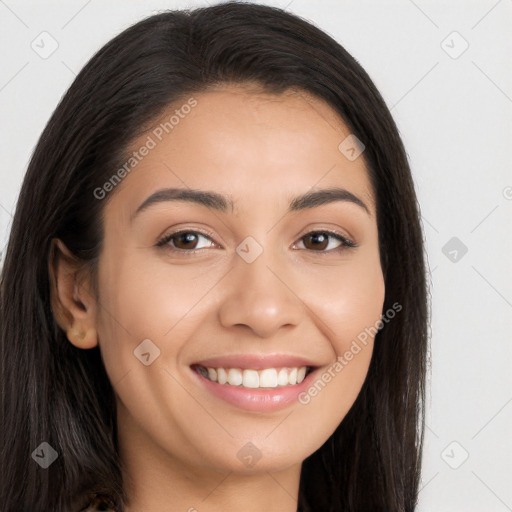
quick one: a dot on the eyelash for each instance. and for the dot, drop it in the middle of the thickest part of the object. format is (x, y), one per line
(345, 242)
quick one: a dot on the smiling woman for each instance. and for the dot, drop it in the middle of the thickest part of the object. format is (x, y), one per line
(215, 282)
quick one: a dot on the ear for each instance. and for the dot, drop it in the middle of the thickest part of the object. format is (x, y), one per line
(73, 302)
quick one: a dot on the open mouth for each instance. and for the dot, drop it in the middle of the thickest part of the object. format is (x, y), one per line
(267, 378)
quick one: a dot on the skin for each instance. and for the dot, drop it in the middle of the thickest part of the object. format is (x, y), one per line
(178, 443)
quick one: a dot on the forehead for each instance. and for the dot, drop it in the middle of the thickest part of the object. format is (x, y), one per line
(248, 144)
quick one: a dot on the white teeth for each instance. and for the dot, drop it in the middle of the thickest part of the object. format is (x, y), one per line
(267, 378)
(222, 376)
(251, 379)
(234, 377)
(282, 377)
(212, 374)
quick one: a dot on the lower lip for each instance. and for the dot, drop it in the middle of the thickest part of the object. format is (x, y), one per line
(262, 400)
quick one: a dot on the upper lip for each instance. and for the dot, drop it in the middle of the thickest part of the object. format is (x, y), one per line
(255, 361)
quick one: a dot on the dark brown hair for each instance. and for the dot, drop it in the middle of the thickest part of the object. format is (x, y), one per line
(56, 393)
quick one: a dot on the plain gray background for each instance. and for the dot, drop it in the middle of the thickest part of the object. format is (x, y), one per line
(445, 72)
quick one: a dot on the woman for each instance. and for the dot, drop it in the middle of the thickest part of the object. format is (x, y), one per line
(278, 365)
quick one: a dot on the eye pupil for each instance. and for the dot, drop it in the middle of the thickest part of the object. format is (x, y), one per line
(187, 238)
(319, 238)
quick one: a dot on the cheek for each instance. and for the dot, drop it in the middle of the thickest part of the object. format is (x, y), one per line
(348, 301)
(143, 298)
(133, 309)
(348, 306)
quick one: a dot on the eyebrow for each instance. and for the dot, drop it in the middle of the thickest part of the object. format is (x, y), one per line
(215, 201)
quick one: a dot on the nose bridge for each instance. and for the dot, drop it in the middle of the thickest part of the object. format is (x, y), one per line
(259, 295)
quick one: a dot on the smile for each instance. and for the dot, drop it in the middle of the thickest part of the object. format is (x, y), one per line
(255, 379)
(255, 382)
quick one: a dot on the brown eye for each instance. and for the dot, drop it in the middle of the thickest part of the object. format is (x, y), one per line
(185, 241)
(318, 241)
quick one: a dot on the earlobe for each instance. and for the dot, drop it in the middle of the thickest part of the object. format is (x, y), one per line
(73, 303)
(82, 339)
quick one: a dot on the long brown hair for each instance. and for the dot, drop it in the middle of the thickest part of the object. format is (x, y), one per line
(56, 393)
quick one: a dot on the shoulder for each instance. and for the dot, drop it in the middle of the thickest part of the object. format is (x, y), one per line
(99, 503)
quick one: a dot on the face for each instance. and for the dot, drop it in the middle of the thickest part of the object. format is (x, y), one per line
(255, 282)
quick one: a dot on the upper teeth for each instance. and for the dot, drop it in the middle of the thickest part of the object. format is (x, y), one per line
(267, 378)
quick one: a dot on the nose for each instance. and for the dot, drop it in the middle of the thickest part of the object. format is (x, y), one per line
(260, 297)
